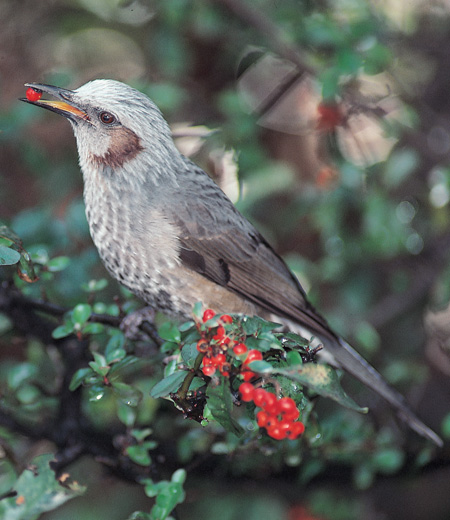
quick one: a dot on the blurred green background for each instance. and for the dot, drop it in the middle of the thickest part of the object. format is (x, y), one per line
(355, 196)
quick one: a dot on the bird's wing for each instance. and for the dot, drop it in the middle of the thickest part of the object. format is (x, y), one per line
(219, 243)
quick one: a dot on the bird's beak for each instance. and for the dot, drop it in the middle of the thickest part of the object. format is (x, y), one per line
(64, 106)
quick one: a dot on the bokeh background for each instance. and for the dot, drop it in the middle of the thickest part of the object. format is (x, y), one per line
(327, 122)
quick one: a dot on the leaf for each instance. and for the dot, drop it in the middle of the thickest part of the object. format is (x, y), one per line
(189, 354)
(128, 394)
(221, 406)
(62, 331)
(95, 285)
(8, 256)
(126, 414)
(81, 313)
(59, 263)
(168, 385)
(260, 366)
(38, 491)
(78, 378)
(139, 454)
(169, 332)
(323, 380)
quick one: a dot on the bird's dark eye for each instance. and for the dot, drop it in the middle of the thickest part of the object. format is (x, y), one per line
(107, 118)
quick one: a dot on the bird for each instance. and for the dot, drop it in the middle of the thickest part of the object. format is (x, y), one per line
(166, 231)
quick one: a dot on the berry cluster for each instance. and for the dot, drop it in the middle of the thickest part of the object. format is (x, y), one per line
(277, 416)
(215, 347)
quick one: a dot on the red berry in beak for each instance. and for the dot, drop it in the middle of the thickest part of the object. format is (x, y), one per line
(33, 94)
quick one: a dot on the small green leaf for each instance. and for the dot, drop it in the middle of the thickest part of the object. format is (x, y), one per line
(93, 328)
(141, 434)
(81, 313)
(63, 331)
(79, 377)
(197, 310)
(293, 357)
(186, 326)
(221, 406)
(168, 331)
(139, 454)
(260, 366)
(96, 392)
(189, 354)
(8, 256)
(168, 385)
(59, 263)
(323, 380)
(126, 414)
(95, 285)
(128, 394)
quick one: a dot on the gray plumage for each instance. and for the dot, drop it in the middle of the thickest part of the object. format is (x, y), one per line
(166, 231)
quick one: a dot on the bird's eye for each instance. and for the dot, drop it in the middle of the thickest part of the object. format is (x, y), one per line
(107, 118)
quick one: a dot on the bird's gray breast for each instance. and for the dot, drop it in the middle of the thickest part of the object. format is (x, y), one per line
(136, 242)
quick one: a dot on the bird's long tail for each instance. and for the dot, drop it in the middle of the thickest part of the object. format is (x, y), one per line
(357, 366)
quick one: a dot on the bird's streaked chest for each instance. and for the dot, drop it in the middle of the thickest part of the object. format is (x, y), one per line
(137, 244)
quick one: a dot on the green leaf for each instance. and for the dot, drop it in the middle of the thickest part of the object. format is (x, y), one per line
(168, 494)
(189, 354)
(79, 377)
(81, 313)
(8, 256)
(95, 285)
(323, 380)
(293, 357)
(221, 406)
(197, 310)
(58, 263)
(168, 331)
(141, 434)
(62, 331)
(260, 366)
(186, 326)
(139, 454)
(168, 385)
(38, 491)
(128, 394)
(126, 414)
(93, 328)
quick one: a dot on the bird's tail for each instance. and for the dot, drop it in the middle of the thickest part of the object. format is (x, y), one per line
(357, 366)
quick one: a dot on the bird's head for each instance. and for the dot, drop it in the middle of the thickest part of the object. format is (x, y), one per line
(119, 130)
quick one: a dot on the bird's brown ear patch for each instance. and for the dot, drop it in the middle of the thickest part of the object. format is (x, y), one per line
(124, 146)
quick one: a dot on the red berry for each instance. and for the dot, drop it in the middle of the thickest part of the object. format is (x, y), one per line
(219, 359)
(226, 318)
(276, 433)
(253, 355)
(248, 375)
(295, 430)
(33, 94)
(246, 390)
(262, 418)
(208, 314)
(259, 397)
(288, 408)
(209, 370)
(240, 349)
(220, 334)
(271, 404)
